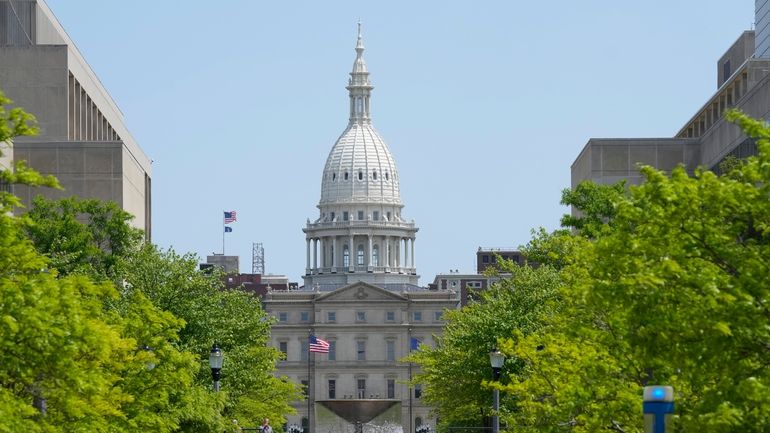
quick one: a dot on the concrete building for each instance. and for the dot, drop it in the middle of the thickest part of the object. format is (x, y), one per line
(706, 139)
(83, 140)
(360, 292)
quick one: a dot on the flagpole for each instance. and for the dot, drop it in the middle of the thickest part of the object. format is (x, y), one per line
(223, 233)
(309, 382)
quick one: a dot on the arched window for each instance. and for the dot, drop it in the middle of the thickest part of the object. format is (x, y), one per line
(334, 177)
(346, 175)
(360, 175)
(374, 175)
(345, 256)
(360, 256)
(376, 255)
(387, 177)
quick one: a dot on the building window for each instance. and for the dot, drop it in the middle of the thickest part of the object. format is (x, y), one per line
(304, 316)
(389, 216)
(332, 388)
(390, 316)
(346, 175)
(390, 350)
(374, 175)
(334, 177)
(360, 175)
(345, 256)
(283, 346)
(473, 284)
(376, 215)
(305, 386)
(360, 215)
(361, 350)
(417, 316)
(283, 316)
(387, 177)
(331, 316)
(438, 316)
(360, 256)
(361, 385)
(331, 216)
(391, 388)
(345, 216)
(485, 258)
(360, 316)
(305, 424)
(417, 391)
(376, 255)
(304, 350)
(417, 422)
(726, 71)
(332, 355)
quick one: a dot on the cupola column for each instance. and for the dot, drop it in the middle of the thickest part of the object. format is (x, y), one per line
(315, 255)
(413, 266)
(369, 262)
(334, 254)
(307, 266)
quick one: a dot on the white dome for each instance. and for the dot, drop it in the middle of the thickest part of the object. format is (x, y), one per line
(360, 169)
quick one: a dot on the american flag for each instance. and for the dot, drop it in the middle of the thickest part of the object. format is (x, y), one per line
(230, 217)
(318, 345)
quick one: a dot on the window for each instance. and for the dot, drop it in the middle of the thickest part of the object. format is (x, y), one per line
(332, 355)
(346, 175)
(485, 258)
(417, 422)
(345, 216)
(374, 175)
(331, 216)
(417, 316)
(390, 350)
(726, 71)
(283, 346)
(389, 218)
(360, 316)
(386, 176)
(305, 424)
(360, 215)
(304, 316)
(332, 388)
(361, 350)
(376, 255)
(391, 388)
(360, 256)
(360, 175)
(473, 284)
(361, 385)
(376, 215)
(305, 386)
(345, 256)
(417, 390)
(438, 316)
(390, 316)
(334, 177)
(331, 316)
(304, 350)
(283, 316)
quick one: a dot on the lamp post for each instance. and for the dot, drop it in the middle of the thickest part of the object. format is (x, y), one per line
(496, 359)
(215, 362)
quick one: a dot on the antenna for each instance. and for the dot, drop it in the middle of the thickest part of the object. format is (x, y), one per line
(257, 258)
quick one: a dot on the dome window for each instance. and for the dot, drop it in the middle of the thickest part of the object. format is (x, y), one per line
(346, 175)
(360, 175)
(387, 177)
(334, 177)
(374, 174)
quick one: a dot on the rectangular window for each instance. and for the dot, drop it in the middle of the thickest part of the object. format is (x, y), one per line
(438, 316)
(389, 218)
(332, 356)
(304, 316)
(360, 316)
(332, 388)
(417, 316)
(361, 350)
(390, 316)
(331, 316)
(376, 215)
(305, 387)
(283, 346)
(345, 216)
(361, 383)
(332, 216)
(360, 215)
(417, 390)
(485, 259)
(283, 316)
(390, 350)
(304, 350)
(391, 388)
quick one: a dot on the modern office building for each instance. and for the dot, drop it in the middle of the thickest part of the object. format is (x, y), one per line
(360, 292)
(706, 139)
(83, 140)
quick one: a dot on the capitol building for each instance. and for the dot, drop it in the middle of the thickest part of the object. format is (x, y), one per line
(360, 291)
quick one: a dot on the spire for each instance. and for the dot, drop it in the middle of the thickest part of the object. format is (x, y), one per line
(359, 87)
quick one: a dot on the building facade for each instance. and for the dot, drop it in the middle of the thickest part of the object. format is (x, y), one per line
(83, 140)
(360, 290)
(706, 139)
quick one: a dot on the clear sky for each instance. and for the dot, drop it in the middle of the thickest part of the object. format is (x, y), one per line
(484, 105)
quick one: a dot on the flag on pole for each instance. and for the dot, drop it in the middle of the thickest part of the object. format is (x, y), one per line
(228, 229)
(317, 345)
(230, 217)
(414, 344)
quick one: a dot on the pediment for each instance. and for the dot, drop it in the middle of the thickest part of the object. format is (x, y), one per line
(360, 292)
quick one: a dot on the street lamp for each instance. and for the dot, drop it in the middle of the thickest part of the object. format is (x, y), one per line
(496, 359)
(215, 362)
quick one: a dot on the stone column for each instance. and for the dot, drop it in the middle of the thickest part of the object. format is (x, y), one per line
(413, 266)
(335, 251)
(315, 254)
(369, 256)
(351, 255)
(322, 253)
(406, 252)
(386, 253)
(307, 267)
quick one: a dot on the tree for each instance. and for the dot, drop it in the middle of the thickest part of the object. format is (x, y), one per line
(672, 290)
(453, 372)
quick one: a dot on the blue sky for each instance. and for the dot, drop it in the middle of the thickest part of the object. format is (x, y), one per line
(484, 105)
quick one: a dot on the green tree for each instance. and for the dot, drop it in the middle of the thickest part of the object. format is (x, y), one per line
(672, 291)
(454, 371)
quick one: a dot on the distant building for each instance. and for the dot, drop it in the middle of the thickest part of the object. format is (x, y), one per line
(743, 82)
(228, 264)
(83, 140)
(487, 257)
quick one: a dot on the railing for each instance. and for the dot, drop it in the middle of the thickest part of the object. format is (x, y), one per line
(368, 223)
(376, 269)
